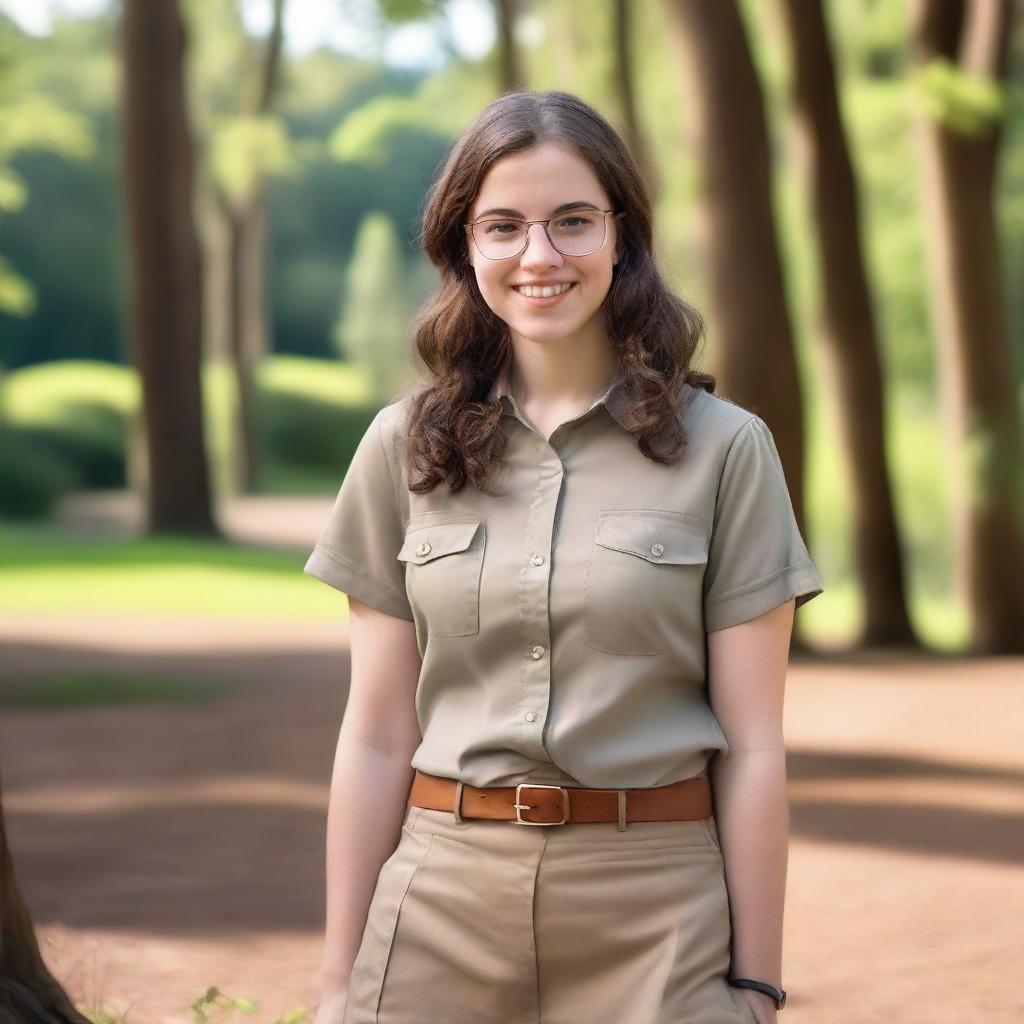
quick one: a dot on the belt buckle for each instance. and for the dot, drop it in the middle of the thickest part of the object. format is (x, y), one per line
(520, 807)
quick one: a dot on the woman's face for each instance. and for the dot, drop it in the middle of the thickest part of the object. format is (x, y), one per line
(531, 185)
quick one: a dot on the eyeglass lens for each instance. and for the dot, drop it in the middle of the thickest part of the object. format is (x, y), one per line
(575, 234)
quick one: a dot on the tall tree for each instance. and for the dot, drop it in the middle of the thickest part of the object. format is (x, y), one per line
(848, 325)
(29, 993)
(373, 326)
(753, 340)
(244, 212)
(622, 43)
(960, 51)
(165, 298)
(510, 67)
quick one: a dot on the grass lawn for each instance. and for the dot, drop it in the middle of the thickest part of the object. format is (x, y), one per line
(44, 571)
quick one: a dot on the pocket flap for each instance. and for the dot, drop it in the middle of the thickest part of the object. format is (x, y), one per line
(432, 540)
(674, 538)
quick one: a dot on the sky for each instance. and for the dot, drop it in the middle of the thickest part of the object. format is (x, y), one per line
(312, 23)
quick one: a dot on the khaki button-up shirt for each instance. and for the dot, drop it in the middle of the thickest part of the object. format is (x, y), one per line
(562, 625)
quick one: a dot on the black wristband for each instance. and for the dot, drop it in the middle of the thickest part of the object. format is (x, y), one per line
(778, 994)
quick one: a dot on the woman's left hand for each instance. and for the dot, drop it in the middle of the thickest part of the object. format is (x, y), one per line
(762, 1005)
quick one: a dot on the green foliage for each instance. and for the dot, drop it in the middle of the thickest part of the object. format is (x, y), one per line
(213, 1007)
(399, 11)
(12, 191)
(870, 36)
(313, 413)
(40, 395)
(245, 150)
(32, 477)
(67, 426)
(17, 297)
(364, 135)
(36, 122)
(967, 104)
(78, 411)
(373, 326)
(311, 433)
(29, 120)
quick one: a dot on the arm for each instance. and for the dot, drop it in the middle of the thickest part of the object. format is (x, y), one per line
(370, 781)
(747, 673)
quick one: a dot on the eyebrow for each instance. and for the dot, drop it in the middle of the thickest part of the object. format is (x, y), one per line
(579, 204)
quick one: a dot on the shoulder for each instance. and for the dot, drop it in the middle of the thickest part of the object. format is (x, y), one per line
(392, 424)
(715, 421)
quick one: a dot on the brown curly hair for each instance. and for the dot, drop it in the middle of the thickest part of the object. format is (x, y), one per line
(454, 432)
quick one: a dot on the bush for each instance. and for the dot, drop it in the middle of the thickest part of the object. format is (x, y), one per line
(91, 439)
(32, 476)
(79, 411)
(304, 431)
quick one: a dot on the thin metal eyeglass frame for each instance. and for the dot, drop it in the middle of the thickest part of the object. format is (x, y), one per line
(529, 224)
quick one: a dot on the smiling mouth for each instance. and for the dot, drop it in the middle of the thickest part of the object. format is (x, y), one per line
(543, 291)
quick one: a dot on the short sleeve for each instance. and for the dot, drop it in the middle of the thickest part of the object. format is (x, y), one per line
(757, 558)
(357, 550)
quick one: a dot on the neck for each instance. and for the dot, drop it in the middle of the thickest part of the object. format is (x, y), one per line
(561, 379)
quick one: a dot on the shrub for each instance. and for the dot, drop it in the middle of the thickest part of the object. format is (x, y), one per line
(32, 476)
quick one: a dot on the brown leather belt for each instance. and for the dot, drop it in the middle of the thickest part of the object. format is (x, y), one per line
(684, 800)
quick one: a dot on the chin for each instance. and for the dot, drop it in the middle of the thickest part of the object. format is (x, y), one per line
(544, 333)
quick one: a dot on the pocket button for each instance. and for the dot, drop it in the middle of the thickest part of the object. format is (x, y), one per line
(658, 550)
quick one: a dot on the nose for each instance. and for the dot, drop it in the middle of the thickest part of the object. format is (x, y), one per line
(539, 251)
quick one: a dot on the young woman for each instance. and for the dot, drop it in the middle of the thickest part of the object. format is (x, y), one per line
(559, 788)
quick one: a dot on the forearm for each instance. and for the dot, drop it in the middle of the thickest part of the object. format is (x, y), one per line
(369, 792)
(752, 811)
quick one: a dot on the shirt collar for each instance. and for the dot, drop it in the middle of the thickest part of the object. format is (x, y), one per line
(614, 398)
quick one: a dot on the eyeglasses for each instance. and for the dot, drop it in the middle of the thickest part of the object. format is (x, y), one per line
(572, 234)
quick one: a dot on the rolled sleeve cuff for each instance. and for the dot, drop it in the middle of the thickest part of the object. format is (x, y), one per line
(796, 581)
(336, 571)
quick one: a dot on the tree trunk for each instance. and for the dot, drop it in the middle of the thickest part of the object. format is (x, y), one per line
(245, 254)
(509, 67)
(622, 40)
(29, 993)
(848, 324)
(166, 304)
(977, 372)
(244, 447)
(752, 349)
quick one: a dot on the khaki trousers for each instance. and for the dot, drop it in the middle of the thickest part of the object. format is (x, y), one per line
(488, 922)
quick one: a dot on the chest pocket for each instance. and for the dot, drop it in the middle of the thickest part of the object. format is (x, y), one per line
(444, 557)
(644, 580)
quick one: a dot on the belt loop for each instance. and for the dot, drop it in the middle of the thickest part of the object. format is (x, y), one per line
(622, 810)
(458, 803)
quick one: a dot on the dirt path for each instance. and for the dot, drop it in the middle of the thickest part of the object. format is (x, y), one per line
(163, 849)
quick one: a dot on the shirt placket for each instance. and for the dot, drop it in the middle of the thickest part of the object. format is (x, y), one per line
(534, 597)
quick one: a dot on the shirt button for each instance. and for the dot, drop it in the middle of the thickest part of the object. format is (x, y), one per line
(423, 549)
(530, 716)
(537, 559)
(657, 549)
(537, 652)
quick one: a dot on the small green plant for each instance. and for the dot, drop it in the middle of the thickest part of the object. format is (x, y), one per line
(223, 1005)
